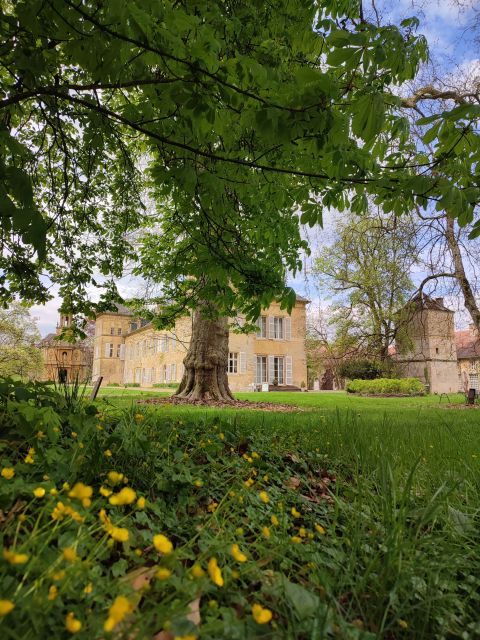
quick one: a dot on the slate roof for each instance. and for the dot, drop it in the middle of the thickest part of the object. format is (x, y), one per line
(467, 343)
(426, 302)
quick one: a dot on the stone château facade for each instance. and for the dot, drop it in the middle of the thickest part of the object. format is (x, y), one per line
(128, 350)
(66, 361)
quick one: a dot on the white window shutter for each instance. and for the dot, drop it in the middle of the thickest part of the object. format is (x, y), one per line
(96, 351)
(288, 370)
(271, 327)
(271, 372)
(174, 372)
(288, 328)
(122, 352)
(243, 362)
(107, 349)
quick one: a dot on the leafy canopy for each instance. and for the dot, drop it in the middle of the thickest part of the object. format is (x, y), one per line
(250, 117)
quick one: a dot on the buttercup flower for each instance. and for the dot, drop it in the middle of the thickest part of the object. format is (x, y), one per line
(266, 532)
(107, 453)
(141, 503)
(237, 554)
(62, 510)
(5, 607)
(88, 588)
(197, 571)
(81, 492)
(72, 624)
(52, 592)
(320, 529)
(295, 513)
(296, 539)
(116, 533)
(215, 572)
(162, 544)
(8, 473)
(249, 482)
(124, 496)
(212, 507)
(39, 492)
(263, 495)
(120, 608)
(58, 576)
(139, 417)
(198, 483)
(70, 554)
(15, 558)
(29, 458)
(163, 573)
(274, 521)
(260, 614)
(105, 492)
(403, 624)
(114, 477)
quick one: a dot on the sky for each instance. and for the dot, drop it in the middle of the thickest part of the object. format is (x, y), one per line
(449, 32)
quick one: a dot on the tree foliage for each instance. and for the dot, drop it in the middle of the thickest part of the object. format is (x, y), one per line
(19, 354)
(250, 117)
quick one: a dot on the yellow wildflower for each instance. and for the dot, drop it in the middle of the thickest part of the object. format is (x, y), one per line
(296, 539)
(239, 531)
(125, 496)
(105, 492)
(40, 435)
(198, 483)
(320, 529)
(274, 521)
(265, 478)
(15, 558)
(189, 636)
(235, 574)
(59, 575)
(5, 607)
(237, 554)
(70, 554)
(22, 517)
(260, 614)
(141, 502)
(162, 544)
(81, 445)
(266, 532)
(139, 417)
(52, 592)
(61, 511)
(53, 492)
(248, 483)
(212, 506)
(138, 552)
(82, 492)
(163, 573)
(120, 608)
(29, 458)
(115, 477)
(215, 572)
(8, 473)
(65, 486)
(39, 492)
(116, 533)
(263, 495)
(107, 453)
(403, 623)
(88, 588)
(255, 454)
(74, 434)
(197, 571)
(72, 624)
(221, 436)
(302, 532)
(295, 513)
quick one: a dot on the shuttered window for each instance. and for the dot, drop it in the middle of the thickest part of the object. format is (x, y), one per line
(232, 362)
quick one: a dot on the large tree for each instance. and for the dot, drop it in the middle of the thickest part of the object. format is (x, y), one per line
(367, 271)
(19, 336)
(245, 113)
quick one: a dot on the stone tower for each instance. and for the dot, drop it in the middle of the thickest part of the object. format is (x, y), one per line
(429, 351)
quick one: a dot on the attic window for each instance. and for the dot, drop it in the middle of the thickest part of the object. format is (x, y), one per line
(436, 350)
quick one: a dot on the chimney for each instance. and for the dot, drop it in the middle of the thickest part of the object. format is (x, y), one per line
(439, 301)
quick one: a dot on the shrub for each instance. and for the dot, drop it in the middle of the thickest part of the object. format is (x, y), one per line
(113, 384)
(400, 386)
(165, 385)
(361, 369)
(131, 384)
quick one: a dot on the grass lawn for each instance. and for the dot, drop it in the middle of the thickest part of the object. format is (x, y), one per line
(354, 518)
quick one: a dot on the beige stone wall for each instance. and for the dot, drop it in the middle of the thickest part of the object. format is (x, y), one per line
(151, 357)
(76, 361)
(432, 354)
(470, 368)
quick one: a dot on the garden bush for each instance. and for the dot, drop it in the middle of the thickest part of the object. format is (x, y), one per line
(360, 369)
(167, 385)
(388, 386)
(132, 384)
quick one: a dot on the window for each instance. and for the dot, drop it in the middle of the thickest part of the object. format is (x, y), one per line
(278, 328)
(436, 350)
(232, 362)
(262, 327)
(133, 326)
(119, 331)
(473, 381)
(278, 369)
(112, 331)
(118, 350)
(110, 350)
(261, 370)
(473, 366)
(163, 343)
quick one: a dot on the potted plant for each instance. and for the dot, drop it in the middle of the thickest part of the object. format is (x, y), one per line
(303, 385)
(275, 382)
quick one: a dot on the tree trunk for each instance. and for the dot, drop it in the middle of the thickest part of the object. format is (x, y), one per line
(206, 362)
(460, 275)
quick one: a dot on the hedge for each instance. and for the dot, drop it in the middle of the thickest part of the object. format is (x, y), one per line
(400, 386)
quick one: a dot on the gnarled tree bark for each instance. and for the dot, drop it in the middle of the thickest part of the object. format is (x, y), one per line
(206, 362)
